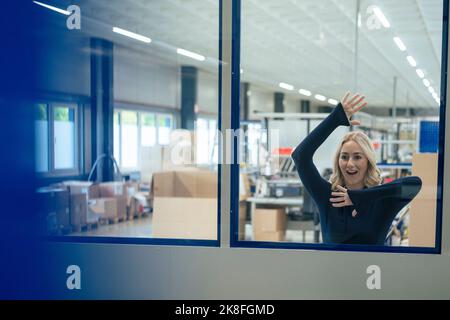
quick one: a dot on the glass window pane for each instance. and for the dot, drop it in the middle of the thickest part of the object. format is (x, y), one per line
(213, 142)
(129, 139)
(328, 48)
(117, 137)
(148, 129)
(41, 138)
(202, 141)
(147, 90)
(164, 128)
(64, 137)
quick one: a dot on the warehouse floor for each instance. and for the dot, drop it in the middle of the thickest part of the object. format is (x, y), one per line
(142, 228)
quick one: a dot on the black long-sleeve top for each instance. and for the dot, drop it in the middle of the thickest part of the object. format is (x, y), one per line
(376, 206)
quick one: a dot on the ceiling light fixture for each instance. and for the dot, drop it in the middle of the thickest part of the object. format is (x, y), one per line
(304, 92)
(332, 101)
(380, 15)
(411, 61)
(131, 35)
(426, 82)
(320, 97)
(190, 54)
(399, 43)
(65, 12)
(286, 86)
(420, 73)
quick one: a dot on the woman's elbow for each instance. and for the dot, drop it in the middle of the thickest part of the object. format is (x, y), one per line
(298, 155)
(412, 186)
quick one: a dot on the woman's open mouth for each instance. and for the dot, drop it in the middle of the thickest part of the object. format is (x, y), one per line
(351, 173)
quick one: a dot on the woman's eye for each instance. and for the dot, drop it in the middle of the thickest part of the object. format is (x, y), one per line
(357, 157)
(344, 157)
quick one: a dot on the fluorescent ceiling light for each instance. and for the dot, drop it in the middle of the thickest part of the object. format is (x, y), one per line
(381, 17)
(190, 54)
(399, 44)
(132, 35)
(434, 95)
(65, 12)
(426, 82)
(332, 101)
(286, 86)
(411, 61)
(430, 90)
(420, 73)
(304, 92)
(242, 70)
(320, 97)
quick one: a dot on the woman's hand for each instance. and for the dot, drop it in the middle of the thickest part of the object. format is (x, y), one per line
(341, 199)
(352, 106)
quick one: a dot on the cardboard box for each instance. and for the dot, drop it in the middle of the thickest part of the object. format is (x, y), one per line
(78, 187)
(242, 219)
(269, 220)
(185, 204)
(139, 202)
(53, 207)
(269, 236)
(244, 187)
(184, 218)
(78, 209)
(132, 188)
(104, 207)
(185, 183)
(82, 187)
(111, 189)
(422, 223)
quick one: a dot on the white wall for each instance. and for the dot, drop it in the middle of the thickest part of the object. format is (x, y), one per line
(261, 101)
(139, 79)
(291, 104)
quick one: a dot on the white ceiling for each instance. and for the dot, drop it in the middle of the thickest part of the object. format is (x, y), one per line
(307, 43)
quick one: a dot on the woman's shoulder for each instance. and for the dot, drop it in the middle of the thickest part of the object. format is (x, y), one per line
(410, 180)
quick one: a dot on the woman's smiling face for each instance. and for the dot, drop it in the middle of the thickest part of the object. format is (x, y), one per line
(353, 165)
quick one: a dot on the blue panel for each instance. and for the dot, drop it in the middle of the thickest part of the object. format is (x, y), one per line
(429, 136)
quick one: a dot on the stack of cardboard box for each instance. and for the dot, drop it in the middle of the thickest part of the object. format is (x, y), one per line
(422, 225)
(185, 204)
(244, 194)
(80, 192)
(112, 203)
(53, 208)
(269, 224)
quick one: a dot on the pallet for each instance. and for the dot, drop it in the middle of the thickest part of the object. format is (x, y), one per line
(137, 215)
(85, 227)
(106, 221)
(60, 231)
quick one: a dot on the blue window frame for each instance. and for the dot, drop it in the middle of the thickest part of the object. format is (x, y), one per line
(161, 50)
(234, 188)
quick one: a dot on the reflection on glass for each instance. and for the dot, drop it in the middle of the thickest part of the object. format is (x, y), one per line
(299, 59)
(64, 135)
(117, 136)
(148, 129)
(164, 126)
(129, 136)
(143, 53)
(41, 138)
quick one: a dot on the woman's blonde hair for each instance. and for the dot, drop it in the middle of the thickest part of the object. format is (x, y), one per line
(373, 176)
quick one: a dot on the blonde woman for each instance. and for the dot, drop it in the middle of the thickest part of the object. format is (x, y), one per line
(354, 207)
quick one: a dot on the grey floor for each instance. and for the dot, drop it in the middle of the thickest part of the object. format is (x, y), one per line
(142, 228)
